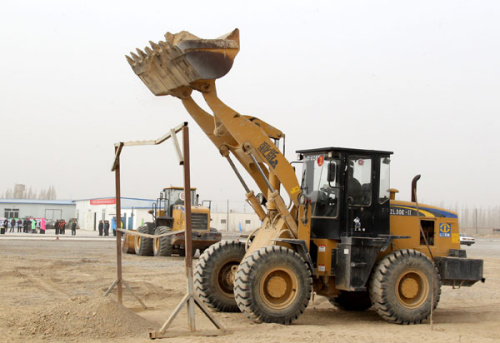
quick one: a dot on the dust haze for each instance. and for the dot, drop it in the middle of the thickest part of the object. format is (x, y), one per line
(420, 79)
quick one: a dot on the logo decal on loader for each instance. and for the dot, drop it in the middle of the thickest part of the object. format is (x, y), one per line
(444, 230)
(269, 153)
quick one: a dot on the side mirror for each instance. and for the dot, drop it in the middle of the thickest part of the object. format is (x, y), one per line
(332, 172)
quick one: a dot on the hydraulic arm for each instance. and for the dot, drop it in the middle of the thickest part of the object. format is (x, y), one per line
(184, 63)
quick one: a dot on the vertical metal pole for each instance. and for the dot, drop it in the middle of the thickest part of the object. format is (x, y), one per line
(188, 239)
(118, 233)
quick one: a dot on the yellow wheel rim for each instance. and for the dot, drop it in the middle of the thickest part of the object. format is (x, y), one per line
(279, 288)
(412, 288)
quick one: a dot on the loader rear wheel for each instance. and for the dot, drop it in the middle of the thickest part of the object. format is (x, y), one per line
(403, 286)
(214, 275)
(352, 301)
(143, 245)
(273, 285)
(163, 245)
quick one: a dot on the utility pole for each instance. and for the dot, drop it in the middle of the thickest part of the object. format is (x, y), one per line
(477, 229)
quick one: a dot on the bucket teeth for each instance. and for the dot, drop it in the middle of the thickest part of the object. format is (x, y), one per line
(130, 61)
(183, 59)
(135, 57)
(155, 46)
(141, 53)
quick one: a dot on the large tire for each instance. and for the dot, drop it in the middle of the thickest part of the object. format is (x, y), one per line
(273, 285)
(162, 246)
(401, 287)
(128, 245)
(214, 275)
(182, 252)
(352, 301)
(143, 245)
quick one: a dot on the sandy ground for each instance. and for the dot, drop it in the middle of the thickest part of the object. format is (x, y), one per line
(52, 291)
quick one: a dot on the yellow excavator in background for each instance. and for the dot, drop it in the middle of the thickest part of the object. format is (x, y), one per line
(343, 234)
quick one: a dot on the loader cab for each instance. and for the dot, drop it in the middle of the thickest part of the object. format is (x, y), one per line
(348, 191)
(169, 198)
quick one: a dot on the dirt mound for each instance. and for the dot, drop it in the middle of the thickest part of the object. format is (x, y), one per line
(91, 317)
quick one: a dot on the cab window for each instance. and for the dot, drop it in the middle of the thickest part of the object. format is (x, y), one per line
(359, 180)
(385, 185)
(320, 184)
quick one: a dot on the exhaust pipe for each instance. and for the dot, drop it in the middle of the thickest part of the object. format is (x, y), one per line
(414, 188)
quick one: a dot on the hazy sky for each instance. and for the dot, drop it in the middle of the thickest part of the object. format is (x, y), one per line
(420, 78)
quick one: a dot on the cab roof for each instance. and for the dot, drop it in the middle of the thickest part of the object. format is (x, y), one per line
(343, 150)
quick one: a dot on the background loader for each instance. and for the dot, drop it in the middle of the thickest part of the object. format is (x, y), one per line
(168, 215)
(343, 235)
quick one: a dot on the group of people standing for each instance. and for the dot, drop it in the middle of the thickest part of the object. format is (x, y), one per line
(60, 227)
(104, 228)
(26, 225)
(34, 225)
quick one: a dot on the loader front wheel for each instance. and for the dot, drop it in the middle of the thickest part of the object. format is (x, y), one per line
(403, 286)
(214, 275)
(162, 245)
(273, 285)
(352, 301)
(143, 245)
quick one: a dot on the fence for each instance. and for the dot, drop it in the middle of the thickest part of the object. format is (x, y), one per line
(479, 221)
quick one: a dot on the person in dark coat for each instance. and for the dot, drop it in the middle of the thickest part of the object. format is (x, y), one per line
(106, 228)
(73, 228)
(20, 225)
(101, 228)
(12, 225)
(27, 225)
(56, 226)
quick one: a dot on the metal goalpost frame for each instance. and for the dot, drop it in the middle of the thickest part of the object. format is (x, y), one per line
(190, 298)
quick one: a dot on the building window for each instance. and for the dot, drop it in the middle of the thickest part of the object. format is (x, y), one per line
(11, 213)
(248, 221)
(223, 221)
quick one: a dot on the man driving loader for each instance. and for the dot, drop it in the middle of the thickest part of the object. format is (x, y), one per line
(355, 191)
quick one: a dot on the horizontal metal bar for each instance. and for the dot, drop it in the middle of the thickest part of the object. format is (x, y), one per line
(135, 233)
(160, 140)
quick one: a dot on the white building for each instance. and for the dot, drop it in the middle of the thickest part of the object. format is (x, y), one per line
(234, 221)
(134, 211)
(49, 209)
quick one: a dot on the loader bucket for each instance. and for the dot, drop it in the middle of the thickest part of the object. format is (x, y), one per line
(182, 59)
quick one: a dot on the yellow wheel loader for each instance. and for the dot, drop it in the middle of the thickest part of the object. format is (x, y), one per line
(342, 235)
(168, 215)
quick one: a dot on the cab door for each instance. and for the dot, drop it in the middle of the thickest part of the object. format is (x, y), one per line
(359, 195)
(321, 185)
(367, 195)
